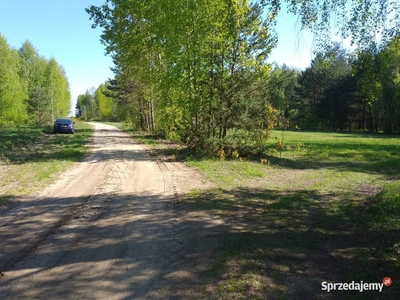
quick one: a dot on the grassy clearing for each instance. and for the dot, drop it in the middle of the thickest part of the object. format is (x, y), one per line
(320, 207)
(30, 157)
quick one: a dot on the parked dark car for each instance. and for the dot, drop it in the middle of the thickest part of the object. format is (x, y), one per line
(63, 125)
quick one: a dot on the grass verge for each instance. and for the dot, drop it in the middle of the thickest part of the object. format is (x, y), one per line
(30, 157)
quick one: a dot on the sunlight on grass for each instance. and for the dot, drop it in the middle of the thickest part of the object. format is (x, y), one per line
(338, 147)
(229, 173)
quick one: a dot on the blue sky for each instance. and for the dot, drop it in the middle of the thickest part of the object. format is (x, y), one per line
(62, 29)
(295, 47)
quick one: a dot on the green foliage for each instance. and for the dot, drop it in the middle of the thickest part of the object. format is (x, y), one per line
(32, 73)
(98, 104)
(86, 106)
(281, 92)
(377, 78)
(389, 86)
(317, 104)
(347, 92)
(32, 89)
(57, 88)
(12, 93)
(191, 70)
(196, 71)
(105, 104)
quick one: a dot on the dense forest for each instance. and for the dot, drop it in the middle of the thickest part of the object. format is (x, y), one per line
(342, 91)
(33, 90)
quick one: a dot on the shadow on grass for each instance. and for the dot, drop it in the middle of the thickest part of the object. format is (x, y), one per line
(284, 245)
(13, 139)
(386, 167)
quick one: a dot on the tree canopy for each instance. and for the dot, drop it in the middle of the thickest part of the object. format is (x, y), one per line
(98, 104)
(192, 70)
(33, 90)
(12, 93)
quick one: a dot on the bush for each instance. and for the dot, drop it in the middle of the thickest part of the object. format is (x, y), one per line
(238, 143)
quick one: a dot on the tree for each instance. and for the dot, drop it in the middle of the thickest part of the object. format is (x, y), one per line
(12, 93)
(325, 90)
(389, 82)
(312, 83)
(32, 73)
(333, 107)
(190, 69)
(337, 106)
(105, 104)
(132, 100)
(86, 106)
(32, 89)
(366, 72)
(57, 89)
(281, 89)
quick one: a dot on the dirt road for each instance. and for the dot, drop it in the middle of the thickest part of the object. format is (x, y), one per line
(107, 229)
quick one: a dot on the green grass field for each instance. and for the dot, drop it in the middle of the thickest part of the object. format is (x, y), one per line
(320, 207)
(30, 157)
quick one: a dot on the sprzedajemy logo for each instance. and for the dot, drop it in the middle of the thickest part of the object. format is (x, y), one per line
(356, 286)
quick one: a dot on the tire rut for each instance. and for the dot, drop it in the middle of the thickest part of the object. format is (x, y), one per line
(126, 237)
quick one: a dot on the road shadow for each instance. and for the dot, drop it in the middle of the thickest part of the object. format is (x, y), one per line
(121, 246)
(217, 244)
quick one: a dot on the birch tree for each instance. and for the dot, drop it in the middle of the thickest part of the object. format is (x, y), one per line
(192, 65)
(12, 93)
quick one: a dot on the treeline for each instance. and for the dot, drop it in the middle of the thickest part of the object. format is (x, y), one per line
(342, 91)
(33, 90)
(196, 72)
(98, 105)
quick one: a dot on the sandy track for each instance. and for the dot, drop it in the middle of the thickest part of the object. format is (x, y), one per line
(108, 229)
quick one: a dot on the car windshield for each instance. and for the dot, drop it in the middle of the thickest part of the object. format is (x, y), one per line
(64, 121)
